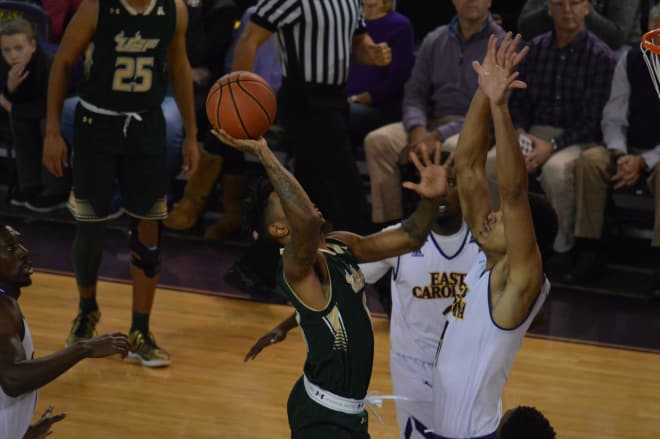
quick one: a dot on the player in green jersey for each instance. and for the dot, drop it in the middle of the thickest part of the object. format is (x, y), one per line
(321, 277)
(131, 46)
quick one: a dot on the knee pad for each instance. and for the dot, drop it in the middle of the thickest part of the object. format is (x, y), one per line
(146, 259)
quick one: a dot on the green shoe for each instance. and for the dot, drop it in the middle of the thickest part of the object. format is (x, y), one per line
(84, 327)
(145, 351)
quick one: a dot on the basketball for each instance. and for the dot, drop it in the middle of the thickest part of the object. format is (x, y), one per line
(242, 104)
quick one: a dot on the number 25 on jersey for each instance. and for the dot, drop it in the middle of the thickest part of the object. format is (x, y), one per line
(133, 75)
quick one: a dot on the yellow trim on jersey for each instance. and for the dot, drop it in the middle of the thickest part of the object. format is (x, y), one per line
(325, 307)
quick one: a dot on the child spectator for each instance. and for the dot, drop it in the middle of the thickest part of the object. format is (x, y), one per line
(27, 68)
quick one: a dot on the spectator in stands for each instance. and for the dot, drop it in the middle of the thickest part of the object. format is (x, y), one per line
(60, 12)
(629, 158)
(616, 22)
(436, 98)
(24, 98)
(217, 19)
(568, 73)
(375, 93)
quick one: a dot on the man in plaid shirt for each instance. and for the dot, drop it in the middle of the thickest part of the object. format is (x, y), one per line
(568, 73)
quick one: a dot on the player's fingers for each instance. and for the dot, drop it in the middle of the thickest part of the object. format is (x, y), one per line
(501, 53)
(57, 418)
(415, 160)
(519, 57)
(424, 151)
(410, 185)
(450, 160)
(492, 48)
(437, 153)
(476, 67)
(518, 84)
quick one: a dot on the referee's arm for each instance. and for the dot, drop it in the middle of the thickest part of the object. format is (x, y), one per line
(251, 39)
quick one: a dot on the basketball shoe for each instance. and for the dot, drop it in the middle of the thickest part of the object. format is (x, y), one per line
(145, 351)
(84, 327)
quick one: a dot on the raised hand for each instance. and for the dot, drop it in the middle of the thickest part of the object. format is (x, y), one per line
(275, 336)
(496, 75)
(433, 174)
(42, 427)
(109, 344)
(244, 145)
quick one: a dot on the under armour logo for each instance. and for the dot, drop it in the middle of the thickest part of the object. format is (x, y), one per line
(160, 11)
(418, 254)
(115, 11)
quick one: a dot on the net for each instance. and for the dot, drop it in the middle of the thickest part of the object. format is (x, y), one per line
(651, 50)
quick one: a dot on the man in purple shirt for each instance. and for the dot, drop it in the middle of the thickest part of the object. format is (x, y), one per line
(436, 97)
(568, 73)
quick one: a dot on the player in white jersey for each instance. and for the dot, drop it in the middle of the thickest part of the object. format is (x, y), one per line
(506, 287)
(20, 374)
(423, 286)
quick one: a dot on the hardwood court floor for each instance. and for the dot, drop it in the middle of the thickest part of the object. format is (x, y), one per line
(587, 392)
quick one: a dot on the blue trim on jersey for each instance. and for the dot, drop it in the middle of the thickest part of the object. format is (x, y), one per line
(395, 273)
(529, 311)
(460, 249)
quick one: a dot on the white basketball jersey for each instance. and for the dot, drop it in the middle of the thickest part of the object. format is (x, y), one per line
(423, 286)
(474, 360)
(16, 413)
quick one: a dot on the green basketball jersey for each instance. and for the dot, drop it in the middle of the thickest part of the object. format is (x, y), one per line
(339, 339)
(125, 64)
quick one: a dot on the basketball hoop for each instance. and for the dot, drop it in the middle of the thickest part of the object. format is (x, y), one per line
(651, 50)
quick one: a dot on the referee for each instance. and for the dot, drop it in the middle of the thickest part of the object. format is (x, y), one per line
(318, 39)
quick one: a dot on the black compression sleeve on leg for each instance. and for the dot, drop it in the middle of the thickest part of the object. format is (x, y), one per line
(87, 250)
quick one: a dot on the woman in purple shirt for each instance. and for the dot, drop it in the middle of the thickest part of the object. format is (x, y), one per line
(375, 93)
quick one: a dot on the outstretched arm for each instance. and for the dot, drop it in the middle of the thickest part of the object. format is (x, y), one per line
(275, 335)
(471, 164)
(413, 232)
(524, 274)
(19, 375)
(304, 219)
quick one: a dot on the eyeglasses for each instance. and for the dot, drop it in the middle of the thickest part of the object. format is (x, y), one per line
(561, 4)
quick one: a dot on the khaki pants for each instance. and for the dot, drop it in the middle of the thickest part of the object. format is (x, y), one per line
(383, 148)
(557, 181)
(593, 171)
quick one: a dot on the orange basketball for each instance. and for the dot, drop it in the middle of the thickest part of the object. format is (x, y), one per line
(242, 104)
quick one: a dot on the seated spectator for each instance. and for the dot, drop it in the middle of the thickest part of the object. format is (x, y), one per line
(436, 98)
(616, 22)
(375, 93)
(24, 98)
(568, 72)
(630, 157)
(426, 15)
(218, 158)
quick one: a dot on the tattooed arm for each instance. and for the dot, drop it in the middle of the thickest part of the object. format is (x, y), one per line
(301, 231)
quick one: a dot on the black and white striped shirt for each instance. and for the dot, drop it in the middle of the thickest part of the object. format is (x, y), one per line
(316, 36)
